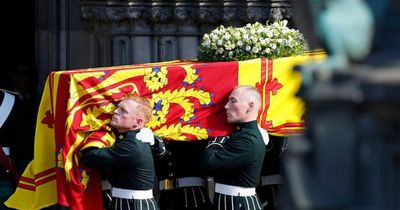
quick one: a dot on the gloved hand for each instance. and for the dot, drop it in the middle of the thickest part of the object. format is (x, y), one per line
(146, 136)
(264, 134)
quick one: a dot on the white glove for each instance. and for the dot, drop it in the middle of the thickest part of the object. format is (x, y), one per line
(264, 134)
(146, 136)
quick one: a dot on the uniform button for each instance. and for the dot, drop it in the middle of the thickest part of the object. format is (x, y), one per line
(121, 136)
(171, 174)
(169, 163)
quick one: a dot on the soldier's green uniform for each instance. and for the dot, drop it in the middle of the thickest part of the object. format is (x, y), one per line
(130, 166)
(180, 185)
(235, 163)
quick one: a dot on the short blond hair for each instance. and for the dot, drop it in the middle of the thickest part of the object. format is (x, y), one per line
(251, 94)
(144, 106)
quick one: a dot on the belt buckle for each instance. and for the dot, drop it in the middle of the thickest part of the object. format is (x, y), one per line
(169, 184)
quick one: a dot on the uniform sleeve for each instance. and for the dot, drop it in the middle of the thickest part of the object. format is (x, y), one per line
(117, 156)
(158, 149)
(235, 153)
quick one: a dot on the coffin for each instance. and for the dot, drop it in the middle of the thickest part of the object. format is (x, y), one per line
(188, 98)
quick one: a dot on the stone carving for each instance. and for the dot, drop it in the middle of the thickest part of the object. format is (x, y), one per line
(210, 14)
(256, 14)
(234, 15)
(95, 13)
(279, 13)
(116, 13)
(138, 12)
(185, 13)
(203, 11)
(161, 14)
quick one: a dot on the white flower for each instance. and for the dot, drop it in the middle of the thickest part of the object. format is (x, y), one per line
(251, 41)
(248, 48)
(254, 39)
(206, 43)
(255, 50)
(227, 36)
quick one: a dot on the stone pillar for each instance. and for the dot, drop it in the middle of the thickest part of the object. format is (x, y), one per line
(209, 15)
(139, 14)
(164, 29)
(188, 35)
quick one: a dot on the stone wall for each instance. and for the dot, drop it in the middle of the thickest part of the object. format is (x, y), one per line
(75, 34)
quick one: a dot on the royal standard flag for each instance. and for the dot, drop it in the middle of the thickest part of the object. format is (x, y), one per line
(188, 99)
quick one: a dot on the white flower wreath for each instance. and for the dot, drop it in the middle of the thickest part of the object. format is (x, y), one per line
(251, 41)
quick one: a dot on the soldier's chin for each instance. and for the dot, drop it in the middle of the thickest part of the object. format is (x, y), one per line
(112, 123)
(230, 120)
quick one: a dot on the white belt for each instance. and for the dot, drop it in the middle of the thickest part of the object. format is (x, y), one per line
(167, 184)
(234, 190)
(272, 179)
(6, 107)
(6, 150)
(131, 194)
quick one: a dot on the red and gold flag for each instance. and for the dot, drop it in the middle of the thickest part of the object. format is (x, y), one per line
(188, 100)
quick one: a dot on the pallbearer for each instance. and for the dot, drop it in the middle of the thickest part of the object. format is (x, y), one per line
(236, 162)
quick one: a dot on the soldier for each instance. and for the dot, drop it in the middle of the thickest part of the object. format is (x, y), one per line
(271, 177)
(16, 129)
(8, 172)
(181, 187)
(129, 161)
(235, 162)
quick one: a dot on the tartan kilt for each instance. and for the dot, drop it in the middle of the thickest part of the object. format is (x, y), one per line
(185, 198)
(133, 204)
(228, 202)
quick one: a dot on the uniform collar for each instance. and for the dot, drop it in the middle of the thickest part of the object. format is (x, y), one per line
(248, 125)
(127, 134)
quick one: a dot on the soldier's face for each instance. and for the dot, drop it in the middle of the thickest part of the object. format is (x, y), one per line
(236, 107)
(125, 117)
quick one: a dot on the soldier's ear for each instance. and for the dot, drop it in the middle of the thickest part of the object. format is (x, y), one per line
(250, 106)
(139, 121)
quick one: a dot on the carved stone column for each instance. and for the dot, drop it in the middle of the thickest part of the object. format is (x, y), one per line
(209, 14)
(164, 29)
(139, 15)
(188, 34)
